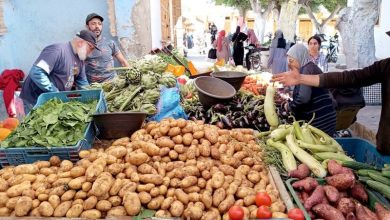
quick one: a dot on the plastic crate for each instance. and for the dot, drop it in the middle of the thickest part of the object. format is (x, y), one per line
(372, 94)
(363, 151)
(30, 154)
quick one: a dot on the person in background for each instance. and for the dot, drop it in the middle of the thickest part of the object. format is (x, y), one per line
(58, 67)
(213, 31)
(308, 101)
(238, 46)
(99, 63)
(253, 42)
(316, 56)
(222, 44)
(277, 60)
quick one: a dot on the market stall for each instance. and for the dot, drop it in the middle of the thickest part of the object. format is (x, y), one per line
(213, 147)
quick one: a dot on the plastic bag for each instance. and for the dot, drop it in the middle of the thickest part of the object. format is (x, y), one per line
(169, 105)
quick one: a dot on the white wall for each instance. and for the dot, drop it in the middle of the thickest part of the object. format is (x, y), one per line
(382, 40)
(155, 13)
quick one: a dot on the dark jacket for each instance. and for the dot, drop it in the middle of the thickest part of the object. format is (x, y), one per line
(309, 100)
(379, 72)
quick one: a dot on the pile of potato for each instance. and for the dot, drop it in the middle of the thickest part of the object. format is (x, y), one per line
(178, 168)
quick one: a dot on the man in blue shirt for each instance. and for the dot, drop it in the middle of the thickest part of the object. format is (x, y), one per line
(99, 63)
(58, 67)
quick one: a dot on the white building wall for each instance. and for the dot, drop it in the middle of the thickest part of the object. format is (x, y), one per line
(382, 40)
(155, 13)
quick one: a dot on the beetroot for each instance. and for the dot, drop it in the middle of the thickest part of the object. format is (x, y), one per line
(307, 184)
(301, 172)
(315, 198)
(359, 192)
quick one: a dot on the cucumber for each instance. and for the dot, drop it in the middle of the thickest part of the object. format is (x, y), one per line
(386, 168)
(364, 172)
(357, 165)
(374, 197)
(386, 173)
(379, 178)
(364, 178)
(379, 187)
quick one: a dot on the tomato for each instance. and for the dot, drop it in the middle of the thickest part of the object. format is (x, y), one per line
(263, 212)
(236, 213)
(262, 198)
(296, 214)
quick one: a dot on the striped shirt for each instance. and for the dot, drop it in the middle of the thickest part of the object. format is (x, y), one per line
(309, 100)
(321, 61)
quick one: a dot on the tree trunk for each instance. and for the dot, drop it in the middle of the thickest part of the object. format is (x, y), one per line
(320, 26)
(356, 26)
(288, 19)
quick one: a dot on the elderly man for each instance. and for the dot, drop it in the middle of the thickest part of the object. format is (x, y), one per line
(58, 67)
(99, 63)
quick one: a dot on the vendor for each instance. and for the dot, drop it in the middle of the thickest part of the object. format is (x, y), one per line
(58, 67)
(309, 101)
(379, 72)
(99, 63)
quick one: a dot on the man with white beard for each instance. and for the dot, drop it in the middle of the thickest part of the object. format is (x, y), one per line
(58, 67)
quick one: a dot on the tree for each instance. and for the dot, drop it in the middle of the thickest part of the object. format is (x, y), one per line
(241, 5)
(288, 17)
(333, 6)
(356, 26)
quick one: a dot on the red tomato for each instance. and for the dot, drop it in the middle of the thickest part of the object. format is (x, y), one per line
(296, 214)
(263, 212)
(262, 198)
(236, 213)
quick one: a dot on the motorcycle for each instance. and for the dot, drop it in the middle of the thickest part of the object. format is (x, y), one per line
(253, 58)
(330, 47)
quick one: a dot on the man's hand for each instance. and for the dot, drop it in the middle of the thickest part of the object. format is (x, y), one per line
(289, 78)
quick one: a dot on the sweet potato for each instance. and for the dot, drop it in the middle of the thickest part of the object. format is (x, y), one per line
(305, 195)
(335, 168)
(359, 192)
(350, 216)
(381, 212)
(328, 212)
(370, 213)
(315, 198)
(308, 184)
(362, 213)
(341, 181)
(331, 193)
(301, 172)
(346, 205)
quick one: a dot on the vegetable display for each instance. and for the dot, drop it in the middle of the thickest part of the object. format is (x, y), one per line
(137, 88)
(54, 124)
(177, 168)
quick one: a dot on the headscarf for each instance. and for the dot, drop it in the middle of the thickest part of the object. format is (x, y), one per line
(238, 29)
(252, 37)
(278, 35)
(220, 38)
(300, 53)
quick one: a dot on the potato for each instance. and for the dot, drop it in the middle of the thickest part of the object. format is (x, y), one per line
(134, 177)
(54, 201)
(249, 161)
(102, 184)
(155, 203)
(193, 212)
(254, 176)
(178, 139)
(127, 187)
(115, 200)
(145, 188)
(18, 189)
(165, 142)
(84, 154)
(68, 195)
(228, 160)
(86, 186)
(66, 165)
(11, 203)
(176, 209)
(191, 189)
(249, 200)
(204, 150)
(132, 203)
(227, 170)
(62, 209)
(212, 214)
(121, 142)
(167, 203)
(164, 151)
(188, 181)
(207, 198)
(52, 178)
(77, 183)
(151, 178)
(3, 199)
(118, 151)
(242, 192)
(63, 174)
(150, 149)
(91, 214)
(90, 203)
(138, 158)
(85, 163)
(206, 174)
(43, 197)
(45, 209)
(23, 206)
(18, 179)
(35, 203)
(117, 211)
(93, 172)
(217, 180)
(116, 186)
(61, 182)
(29, 193)
(59, 190)
(80, 195)
(77, 171)
(181, 196)
(78, 201)
(103, 205)
(194, 197)
(278, 206)
(226, 204)
(75, 211)
(26, 169)
(4, 211)
(146, 169)
(144, 197)
(218, 196)
(3, 185)
(174, 131)
(211, 135)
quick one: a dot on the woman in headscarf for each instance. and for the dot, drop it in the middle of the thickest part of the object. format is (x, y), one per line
(277, 54)
(253, 42)
(309, 100)
(222, 46)
(238, 46)
(316, 56)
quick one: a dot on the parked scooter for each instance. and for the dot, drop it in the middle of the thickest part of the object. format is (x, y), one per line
(330, 47)
(253, 58)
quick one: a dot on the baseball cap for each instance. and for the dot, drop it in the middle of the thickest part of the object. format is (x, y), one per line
(88, 36)
(92, 16)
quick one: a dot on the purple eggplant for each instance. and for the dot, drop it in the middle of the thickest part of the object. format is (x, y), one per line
(219, 107)
(226, 121)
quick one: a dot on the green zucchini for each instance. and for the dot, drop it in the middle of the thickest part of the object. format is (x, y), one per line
(355, 165)
(379, 178)
(379, 187)
(386, 173)
(364, 172)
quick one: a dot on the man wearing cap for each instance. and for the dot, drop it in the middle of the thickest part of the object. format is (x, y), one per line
(58, 67)
(378, 72)
(99, 63)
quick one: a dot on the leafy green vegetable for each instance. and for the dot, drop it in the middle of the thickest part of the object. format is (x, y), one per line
(144, 214)
(54, 124)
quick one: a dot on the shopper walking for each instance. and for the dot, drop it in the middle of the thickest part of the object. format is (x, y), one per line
(252, 42)
(277, 60)
(238, 46)
(222, 44)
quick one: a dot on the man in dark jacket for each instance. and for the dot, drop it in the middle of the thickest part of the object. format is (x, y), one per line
(379, 72)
